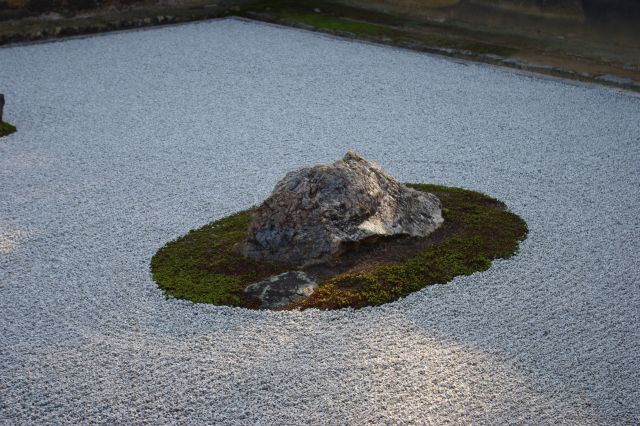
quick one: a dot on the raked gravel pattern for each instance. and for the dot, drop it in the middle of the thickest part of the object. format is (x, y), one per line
(128, 140)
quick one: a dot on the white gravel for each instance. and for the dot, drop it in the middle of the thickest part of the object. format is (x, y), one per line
(128, 140)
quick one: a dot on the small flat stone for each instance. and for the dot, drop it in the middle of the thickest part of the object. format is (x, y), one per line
(280, 290)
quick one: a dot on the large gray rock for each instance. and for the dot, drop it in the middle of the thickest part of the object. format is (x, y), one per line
(315, 212)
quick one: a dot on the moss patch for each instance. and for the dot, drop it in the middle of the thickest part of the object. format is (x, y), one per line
(205, 266)
(374, 26)
(6, 129)
(401, 36)
(338, 24)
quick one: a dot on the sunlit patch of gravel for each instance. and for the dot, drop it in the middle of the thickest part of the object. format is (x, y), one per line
(10, 238)
(130, 139)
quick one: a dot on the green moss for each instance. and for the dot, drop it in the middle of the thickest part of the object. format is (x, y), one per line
(374, 26)
(397, 35)
(338, 24)
(6, 129)
(205, 265)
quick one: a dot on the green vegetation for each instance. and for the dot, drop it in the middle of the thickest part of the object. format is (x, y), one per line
(206, 265)
(372, 26)
(479, 230)
(6, 129)
(402, 36)
(338, 24)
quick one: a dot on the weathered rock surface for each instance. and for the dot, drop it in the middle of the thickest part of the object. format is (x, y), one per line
(282, 289)
(315, 212)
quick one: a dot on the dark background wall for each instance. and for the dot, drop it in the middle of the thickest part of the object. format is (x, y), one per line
(615, 21)
(607, 21)
(568, 9)
(560, 9)
(611, 9)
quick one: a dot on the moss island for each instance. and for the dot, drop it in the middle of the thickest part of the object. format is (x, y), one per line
(6, 129)
(207, 265)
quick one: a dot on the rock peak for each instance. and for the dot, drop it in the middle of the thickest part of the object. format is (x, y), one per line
(314, 212)
(352, 155)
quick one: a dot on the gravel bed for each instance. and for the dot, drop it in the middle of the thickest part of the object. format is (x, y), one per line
(128, 140)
